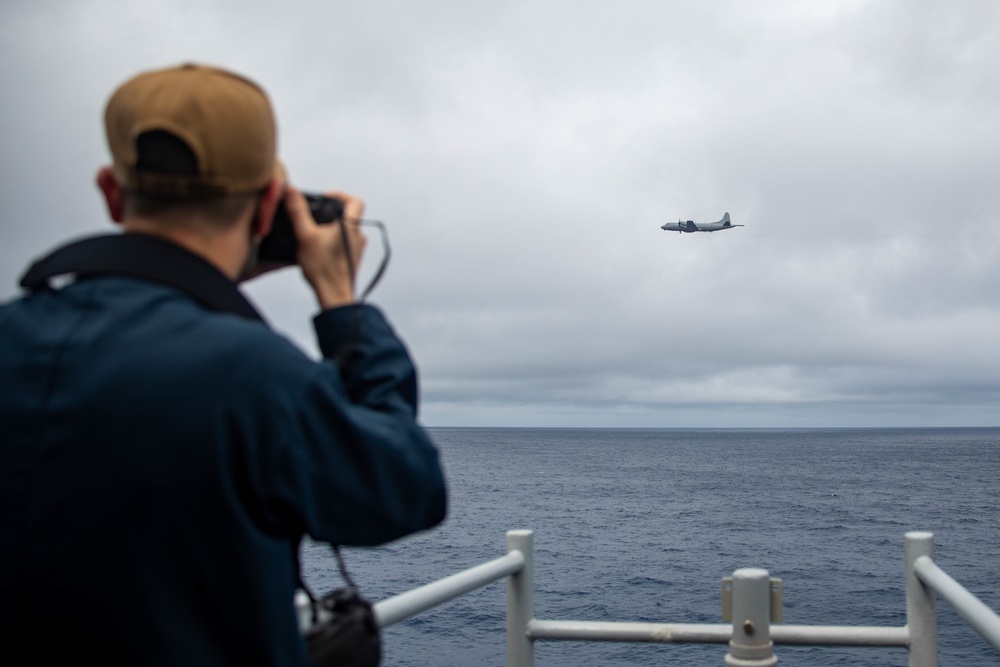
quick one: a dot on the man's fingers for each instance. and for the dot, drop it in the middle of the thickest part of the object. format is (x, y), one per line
(329, 254)
(298, 211)
(354, 210)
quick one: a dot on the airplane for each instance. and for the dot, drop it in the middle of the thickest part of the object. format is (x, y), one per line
(690, 226)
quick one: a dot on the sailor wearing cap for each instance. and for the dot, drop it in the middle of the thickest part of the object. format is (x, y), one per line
(163, 451)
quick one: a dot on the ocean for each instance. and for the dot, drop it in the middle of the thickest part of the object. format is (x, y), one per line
(641, 525)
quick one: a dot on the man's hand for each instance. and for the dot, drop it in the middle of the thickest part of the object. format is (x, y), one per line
(322, 255)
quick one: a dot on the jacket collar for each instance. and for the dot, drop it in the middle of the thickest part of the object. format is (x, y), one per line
(142, 256)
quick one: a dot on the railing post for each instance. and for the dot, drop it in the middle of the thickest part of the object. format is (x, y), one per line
(520, 602)
(751, 645)
(921, 620)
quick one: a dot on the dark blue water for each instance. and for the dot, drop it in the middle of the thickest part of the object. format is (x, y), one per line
(641, 525)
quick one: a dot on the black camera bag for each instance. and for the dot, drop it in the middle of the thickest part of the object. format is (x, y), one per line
(349, 636)
(344, 632)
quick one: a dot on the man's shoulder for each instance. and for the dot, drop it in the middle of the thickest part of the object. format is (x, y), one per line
(148, 318)
(222, 334)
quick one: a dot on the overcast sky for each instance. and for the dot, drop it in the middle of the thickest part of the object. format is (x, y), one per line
(524, 155)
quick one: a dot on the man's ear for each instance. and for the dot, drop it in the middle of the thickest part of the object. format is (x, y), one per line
(112, 191)
(267, 205)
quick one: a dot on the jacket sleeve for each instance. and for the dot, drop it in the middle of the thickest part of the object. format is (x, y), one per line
(380, 478)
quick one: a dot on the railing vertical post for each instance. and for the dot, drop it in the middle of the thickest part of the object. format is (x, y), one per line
(520, 602)
(921, 620)
(751, 645)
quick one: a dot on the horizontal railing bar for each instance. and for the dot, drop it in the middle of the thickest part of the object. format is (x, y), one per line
(406, 605)
(982, 619)
(840, 635)
(612, 631)
(693, 633)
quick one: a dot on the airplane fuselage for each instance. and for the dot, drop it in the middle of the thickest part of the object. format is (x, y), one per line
(690, 226)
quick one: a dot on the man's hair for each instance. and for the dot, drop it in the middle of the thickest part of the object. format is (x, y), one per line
(162, 153)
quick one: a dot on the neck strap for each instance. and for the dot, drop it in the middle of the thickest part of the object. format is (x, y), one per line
(142, 256)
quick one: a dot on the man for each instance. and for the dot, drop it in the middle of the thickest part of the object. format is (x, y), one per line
(162, 451)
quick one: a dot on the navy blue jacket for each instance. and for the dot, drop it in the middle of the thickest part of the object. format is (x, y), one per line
(160, 463)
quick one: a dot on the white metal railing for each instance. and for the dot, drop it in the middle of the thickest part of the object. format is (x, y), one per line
(409, 604)
(751, 635)
(968, 606)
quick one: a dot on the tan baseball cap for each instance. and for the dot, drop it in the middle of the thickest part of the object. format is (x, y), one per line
(224, 120)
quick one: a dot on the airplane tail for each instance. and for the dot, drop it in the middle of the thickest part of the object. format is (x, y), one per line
(725, 220)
